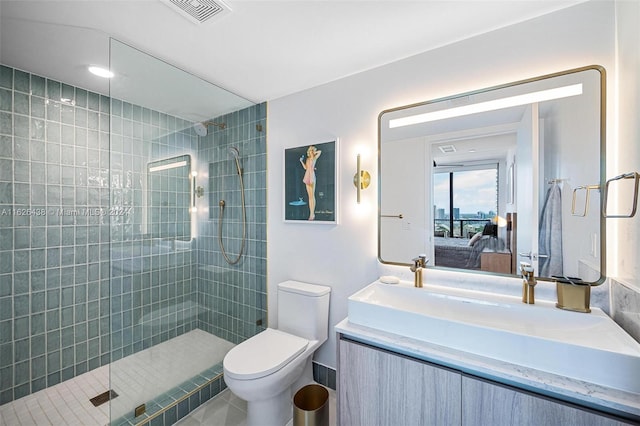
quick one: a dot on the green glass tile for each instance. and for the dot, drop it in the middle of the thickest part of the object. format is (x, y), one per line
(6, 329)
(38, 384)
(38, 107)
(21, 305)
(38, 301)
(21, 353)
(53, 378)
(38, 86)
(53, 339)
(38, 277)
(67, 373)
(6, 123)
(53, 90)
(68, 92)
(53, 111)
(6, 146)
(81, 352)
(21, 81)
(21, 103)
(93, 101)
(38, 345)
(6, 101)
(6, 77)
(6, 355)
(66, 316)
(38, 323)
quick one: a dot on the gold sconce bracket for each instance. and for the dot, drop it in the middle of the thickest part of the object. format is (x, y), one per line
(365, 179)
(361, 179)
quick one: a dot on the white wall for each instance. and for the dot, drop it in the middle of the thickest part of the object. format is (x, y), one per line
(625, 153)
(344, 256)
(405, 238)
(576, 139)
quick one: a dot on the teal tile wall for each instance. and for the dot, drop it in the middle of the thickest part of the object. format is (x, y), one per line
(153, 295)
(54, 235)
(234, 296)
(82, 281)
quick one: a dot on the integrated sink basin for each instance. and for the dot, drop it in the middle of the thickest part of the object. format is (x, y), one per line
(589, 347)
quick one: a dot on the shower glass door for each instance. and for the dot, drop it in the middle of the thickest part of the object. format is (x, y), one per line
(176, 307)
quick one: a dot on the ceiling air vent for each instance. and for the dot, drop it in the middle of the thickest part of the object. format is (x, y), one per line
(447, 149)
(199, 11)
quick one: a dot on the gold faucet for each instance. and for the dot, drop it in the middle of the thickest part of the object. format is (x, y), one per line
(528, 283)
(418, 263)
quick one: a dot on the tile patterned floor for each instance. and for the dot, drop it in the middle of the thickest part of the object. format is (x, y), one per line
(227, 409)
(134, 378)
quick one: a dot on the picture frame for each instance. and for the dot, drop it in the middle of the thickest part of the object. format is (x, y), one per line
(311, 194)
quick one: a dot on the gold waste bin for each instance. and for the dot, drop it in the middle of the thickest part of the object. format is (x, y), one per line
(311, 406)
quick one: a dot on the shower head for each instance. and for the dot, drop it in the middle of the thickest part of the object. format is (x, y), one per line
(236, 155)
(235, 152)
(202, 128)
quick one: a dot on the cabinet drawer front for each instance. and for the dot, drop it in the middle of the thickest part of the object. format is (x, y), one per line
(485, 403)
(376, 387)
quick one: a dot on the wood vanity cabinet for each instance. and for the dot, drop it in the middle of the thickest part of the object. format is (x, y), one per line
(379, 387)
(376, 387)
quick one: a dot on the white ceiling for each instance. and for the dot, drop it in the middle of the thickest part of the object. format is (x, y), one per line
(261, 50)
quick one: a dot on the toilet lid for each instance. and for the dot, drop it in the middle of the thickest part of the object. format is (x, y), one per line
(263, 354)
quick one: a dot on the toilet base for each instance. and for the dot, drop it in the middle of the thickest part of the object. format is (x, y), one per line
(276, 411)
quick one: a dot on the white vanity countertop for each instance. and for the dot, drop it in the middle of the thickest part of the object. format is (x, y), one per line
(568, 389)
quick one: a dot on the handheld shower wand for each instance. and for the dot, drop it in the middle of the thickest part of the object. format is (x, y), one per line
(236, 154)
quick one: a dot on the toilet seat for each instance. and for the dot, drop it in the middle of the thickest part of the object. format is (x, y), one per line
(263, 354)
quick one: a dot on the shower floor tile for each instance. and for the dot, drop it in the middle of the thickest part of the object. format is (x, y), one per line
(136, 379)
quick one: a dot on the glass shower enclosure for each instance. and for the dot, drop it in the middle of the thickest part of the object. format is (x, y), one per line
(176, 306)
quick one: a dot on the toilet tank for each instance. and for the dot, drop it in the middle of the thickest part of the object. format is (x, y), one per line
(303, 309)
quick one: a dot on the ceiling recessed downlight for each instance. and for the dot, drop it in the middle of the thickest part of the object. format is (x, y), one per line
(100, 72)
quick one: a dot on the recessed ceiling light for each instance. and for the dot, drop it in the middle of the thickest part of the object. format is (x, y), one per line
(100, 72)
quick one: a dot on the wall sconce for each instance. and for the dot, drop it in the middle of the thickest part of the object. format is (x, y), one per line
(198, 191)
(361, 179)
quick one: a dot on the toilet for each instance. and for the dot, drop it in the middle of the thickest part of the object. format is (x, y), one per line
(268, 368)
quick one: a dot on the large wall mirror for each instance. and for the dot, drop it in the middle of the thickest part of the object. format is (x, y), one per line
(485, 180)
(169, 198)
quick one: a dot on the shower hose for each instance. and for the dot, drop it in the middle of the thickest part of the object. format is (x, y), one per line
(244, 222)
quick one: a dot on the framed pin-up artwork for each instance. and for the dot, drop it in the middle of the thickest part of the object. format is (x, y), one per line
(311, 183)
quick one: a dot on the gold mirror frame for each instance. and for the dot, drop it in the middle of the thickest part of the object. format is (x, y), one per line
(602, 182)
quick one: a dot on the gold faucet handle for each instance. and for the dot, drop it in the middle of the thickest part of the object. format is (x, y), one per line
(420, 261)
(526, 268)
